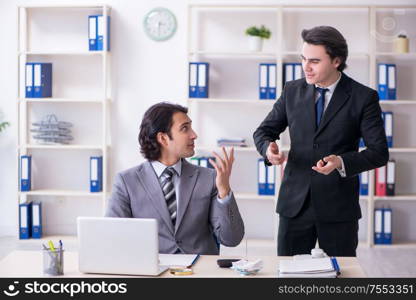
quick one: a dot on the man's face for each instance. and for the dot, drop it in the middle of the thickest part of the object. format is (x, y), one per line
(183, 136)
(318, 66)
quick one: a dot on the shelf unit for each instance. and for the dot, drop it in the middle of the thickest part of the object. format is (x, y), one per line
(216, 35)
(37, 43)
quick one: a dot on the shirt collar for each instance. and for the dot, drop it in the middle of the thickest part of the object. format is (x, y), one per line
(159, 167)
(332, 87)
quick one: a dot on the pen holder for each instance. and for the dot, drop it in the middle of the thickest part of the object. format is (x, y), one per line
(53, 262)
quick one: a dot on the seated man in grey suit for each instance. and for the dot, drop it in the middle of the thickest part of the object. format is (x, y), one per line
(194, 206)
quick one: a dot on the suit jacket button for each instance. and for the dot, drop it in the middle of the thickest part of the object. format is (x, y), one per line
(315, 146)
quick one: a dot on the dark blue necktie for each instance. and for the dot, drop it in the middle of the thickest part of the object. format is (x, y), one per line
(320, 105)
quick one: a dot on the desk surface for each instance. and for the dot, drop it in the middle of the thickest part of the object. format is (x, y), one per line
(29, 264)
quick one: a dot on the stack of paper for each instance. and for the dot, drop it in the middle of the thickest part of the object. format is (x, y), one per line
(305, 268)
(177, 260)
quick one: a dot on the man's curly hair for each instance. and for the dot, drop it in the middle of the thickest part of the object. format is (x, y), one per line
(158, 118)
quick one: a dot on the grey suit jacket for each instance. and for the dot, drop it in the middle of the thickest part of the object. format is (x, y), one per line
(137, 194)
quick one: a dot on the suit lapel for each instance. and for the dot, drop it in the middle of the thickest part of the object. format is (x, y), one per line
(307, 94)
(187, 183)
(151, 185)
(340, 96)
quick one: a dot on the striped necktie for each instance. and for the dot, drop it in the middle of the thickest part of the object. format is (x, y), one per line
(168, 189)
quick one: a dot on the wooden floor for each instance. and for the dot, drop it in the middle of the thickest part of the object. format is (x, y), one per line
(376, 262)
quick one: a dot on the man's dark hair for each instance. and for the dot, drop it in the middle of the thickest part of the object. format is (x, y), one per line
(158, 118)
(333, 41)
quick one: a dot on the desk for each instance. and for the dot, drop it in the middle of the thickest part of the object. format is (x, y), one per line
(29, 264)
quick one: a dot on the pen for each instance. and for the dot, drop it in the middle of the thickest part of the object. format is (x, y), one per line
(60, 245)
(335, 264)
(194, 261)
(51, 246)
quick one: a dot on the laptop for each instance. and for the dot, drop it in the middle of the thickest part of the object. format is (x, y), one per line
(125, 246)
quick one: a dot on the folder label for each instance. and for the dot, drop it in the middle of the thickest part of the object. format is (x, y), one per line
(94, 169)
(37, 75)
(23, 216)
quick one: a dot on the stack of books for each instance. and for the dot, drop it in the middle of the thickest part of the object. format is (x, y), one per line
(231, 142)
(325, 267)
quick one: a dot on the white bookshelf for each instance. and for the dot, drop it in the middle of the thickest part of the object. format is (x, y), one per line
(216, 35)
(66, 54)
(63, 193)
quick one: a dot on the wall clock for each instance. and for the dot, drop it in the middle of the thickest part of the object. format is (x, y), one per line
(160, 24)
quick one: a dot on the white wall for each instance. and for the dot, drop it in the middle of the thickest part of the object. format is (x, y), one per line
(144, 72)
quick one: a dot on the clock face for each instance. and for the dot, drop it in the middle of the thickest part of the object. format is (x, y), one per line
(160, 24)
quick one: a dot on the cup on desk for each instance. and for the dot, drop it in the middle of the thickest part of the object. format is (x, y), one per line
(53, 261)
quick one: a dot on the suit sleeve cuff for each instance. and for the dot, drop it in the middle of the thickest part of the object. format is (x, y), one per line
(341, 170)
(226, 199)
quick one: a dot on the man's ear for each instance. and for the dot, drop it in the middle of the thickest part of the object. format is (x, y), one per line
(162, 138)
(337, 61)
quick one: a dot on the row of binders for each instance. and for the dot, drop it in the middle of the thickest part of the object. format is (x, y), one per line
(199, 78)
(38, 83)
(387, 117)
(266, 178)
(387, 81)
(96, 32)
(382, 226)
(202, 161)
(267, 77)
(96, 173)
(385, 180)
(30, 220)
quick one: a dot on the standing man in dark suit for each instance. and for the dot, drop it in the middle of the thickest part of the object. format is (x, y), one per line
(194, 206)
(327, 113)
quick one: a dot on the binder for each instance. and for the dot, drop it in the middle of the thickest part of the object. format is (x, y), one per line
(203, 82)
(194, 161)
(271, 178)
(261, 177)
(193, 77)
(364, 183)
(101, 32)
(25, 173)
(381, 181)
(29, 81)
(271, 93)
(92, 33)
(297, 71)
(96, 174)
(382, 82)
(378, 226)
(391, 178)
(387, 236)
(391, 82)
(388, 127)
(203, 162)
(209, 164)
(288, 72)
(36, 220)
(263, 81)
(42, 80)
(25, 228)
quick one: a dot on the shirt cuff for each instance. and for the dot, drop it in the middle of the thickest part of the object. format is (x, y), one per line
(226, 199)
(341, 170)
